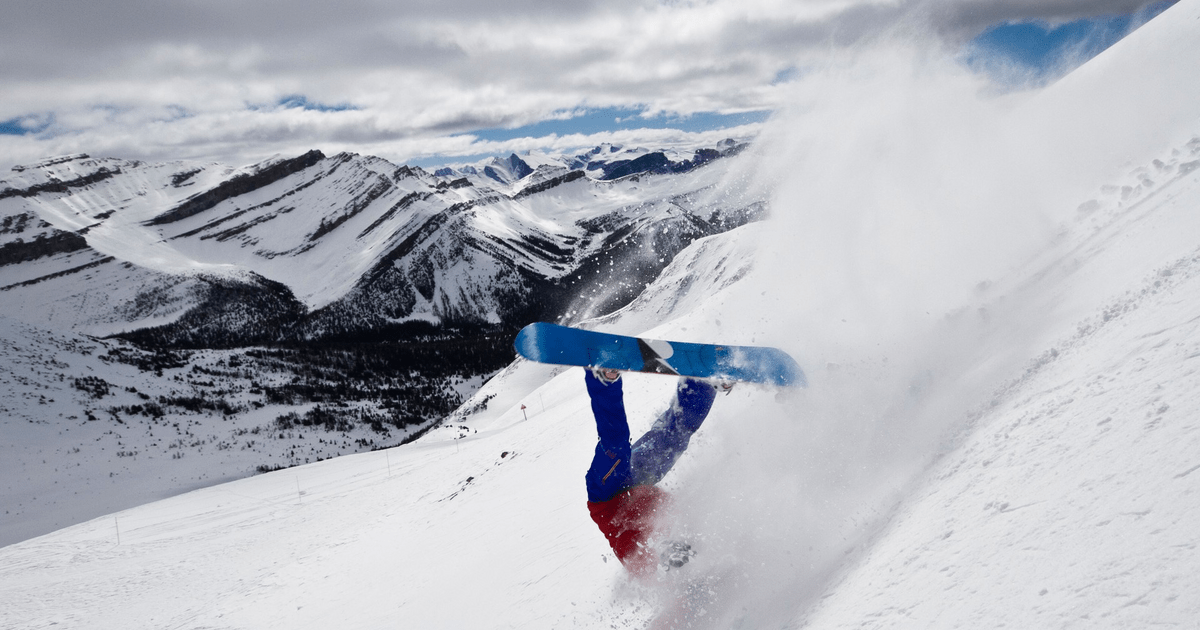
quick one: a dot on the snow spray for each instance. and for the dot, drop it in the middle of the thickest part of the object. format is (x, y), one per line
(903, 192)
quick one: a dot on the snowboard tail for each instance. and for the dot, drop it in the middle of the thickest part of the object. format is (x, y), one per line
(563, 345)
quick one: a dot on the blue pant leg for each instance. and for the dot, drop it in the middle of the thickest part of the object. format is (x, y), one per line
(657, 451)
(610, 472)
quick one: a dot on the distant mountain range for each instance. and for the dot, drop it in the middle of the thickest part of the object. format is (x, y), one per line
(347, 247)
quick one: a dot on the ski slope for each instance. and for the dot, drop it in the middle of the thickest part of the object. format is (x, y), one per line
(1000, 427)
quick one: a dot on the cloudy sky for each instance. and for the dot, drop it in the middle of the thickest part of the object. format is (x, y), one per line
(422, 80)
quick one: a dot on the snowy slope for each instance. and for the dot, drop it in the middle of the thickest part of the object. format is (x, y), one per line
(999, 428)
(93, 426)
(1072, 501)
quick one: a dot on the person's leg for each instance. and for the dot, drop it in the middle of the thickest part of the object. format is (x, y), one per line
(609, 474)
(657, 451)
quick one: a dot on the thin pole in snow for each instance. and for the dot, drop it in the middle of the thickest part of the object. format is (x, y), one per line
(389, 462)
(118, 524)
(524, 414)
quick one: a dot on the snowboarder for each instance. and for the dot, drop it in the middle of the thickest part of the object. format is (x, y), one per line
(622, 496)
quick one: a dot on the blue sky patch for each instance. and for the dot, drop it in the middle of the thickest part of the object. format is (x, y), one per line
(12, 128)
(300, 101)
(786, 75)
(617, 118)
(1045, 50)
(24, 125)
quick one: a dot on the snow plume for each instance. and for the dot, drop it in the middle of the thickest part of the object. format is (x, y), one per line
(904, 195)
(917, 257)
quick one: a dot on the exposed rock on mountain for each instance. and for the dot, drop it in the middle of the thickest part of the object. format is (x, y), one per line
(239, 185)
(353, 247)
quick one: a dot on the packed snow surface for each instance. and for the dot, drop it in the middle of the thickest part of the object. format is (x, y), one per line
(997, 318)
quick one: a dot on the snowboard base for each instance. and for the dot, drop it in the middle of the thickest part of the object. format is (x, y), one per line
(563, 345)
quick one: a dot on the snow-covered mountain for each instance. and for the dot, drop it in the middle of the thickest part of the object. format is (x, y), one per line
(1000, 428)
(393, 292)
(330, 247)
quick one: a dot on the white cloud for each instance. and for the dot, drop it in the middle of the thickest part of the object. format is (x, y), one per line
(174, 78)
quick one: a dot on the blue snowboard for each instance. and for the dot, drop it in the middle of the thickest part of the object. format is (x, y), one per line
(561, 345)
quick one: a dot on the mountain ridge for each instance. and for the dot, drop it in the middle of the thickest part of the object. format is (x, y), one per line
(247, 220)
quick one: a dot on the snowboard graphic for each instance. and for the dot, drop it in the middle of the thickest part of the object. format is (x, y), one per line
(562, 345)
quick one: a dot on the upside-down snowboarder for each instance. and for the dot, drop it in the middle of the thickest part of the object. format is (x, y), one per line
(622, 496)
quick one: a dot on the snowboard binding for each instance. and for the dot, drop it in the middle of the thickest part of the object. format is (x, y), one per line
(675, 554)
(606, 375)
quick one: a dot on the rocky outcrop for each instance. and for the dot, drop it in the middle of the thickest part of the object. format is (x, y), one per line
(58, 242)
(550, 183)
(62, 186)
(239, 185)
